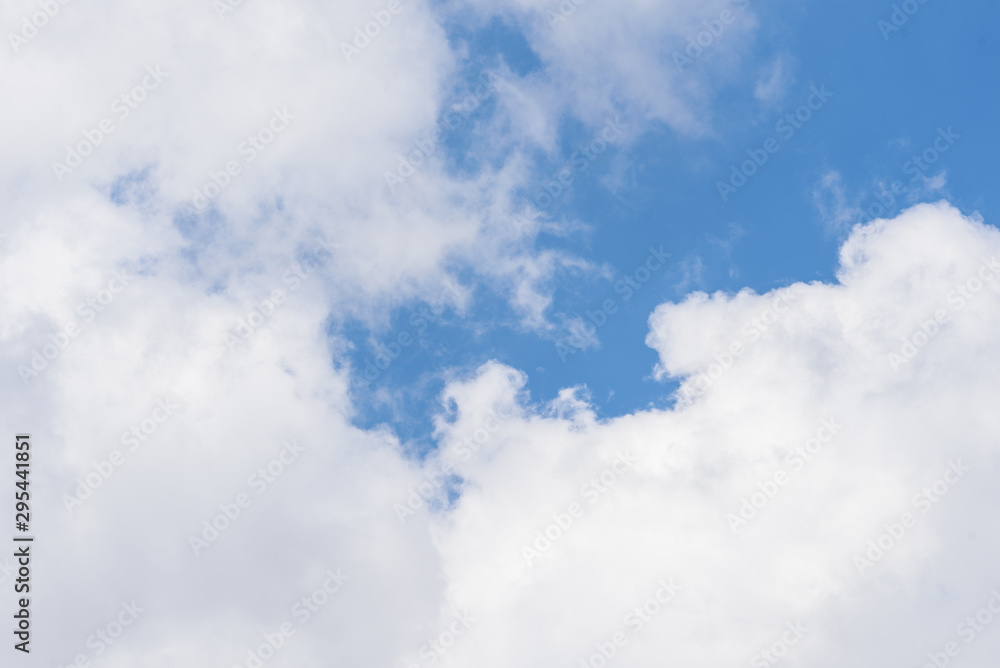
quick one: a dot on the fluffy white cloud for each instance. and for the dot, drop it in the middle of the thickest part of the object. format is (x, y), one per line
(116, 304)
(811, 422)
(173, 95)
(655, 490)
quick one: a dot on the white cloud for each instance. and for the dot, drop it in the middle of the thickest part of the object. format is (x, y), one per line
(821, 369)
(831, 200)
(195, 278)
(222, 81)
(661, 516)
(773, 84)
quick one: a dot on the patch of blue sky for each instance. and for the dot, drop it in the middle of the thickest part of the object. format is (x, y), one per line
(891, 100)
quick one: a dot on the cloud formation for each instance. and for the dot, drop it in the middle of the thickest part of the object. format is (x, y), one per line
(171, 310)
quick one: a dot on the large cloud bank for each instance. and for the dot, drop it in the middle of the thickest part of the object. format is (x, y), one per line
(810, 494)
(820, 493)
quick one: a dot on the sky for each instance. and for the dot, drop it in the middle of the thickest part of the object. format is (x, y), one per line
(421, 333)
(784, 226)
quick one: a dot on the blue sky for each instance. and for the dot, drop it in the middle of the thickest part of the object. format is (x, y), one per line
(890, 98)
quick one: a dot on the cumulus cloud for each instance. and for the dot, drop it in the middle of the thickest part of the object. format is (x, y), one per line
(170, 331)
(179, 120)
(752, 505)
(810, 491)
